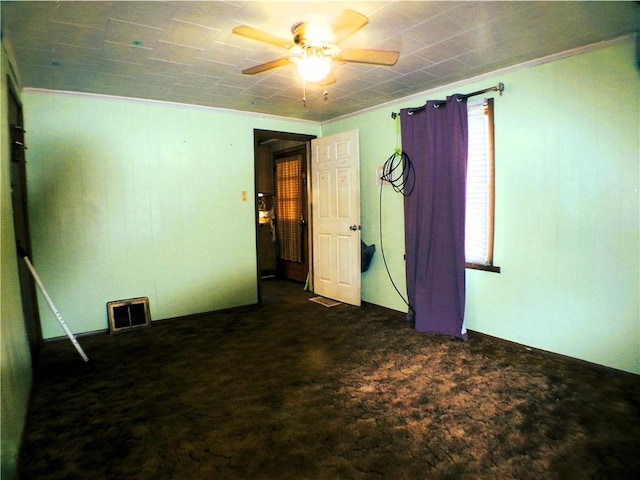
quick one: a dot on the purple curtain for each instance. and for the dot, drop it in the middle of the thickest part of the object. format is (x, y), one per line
(435, 139)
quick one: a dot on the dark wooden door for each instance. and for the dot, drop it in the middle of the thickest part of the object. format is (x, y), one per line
(18, 178)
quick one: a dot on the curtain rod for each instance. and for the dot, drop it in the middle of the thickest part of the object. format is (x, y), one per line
(497, 88)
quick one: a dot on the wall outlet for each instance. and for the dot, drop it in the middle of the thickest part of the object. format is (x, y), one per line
(379, 173)
(243, 195)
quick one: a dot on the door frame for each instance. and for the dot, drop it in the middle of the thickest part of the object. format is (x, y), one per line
(18, 185)
(260, 138)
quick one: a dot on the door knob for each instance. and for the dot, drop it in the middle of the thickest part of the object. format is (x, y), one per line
(353, 228)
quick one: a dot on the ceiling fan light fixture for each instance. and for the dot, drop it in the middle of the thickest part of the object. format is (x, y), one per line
(315, 45)
(313, 32)
(314, 64)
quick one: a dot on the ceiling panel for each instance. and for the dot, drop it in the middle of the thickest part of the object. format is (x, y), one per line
(186, 52)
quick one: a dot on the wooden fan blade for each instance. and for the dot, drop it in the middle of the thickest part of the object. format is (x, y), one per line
(263, 67)
(348, 23)
(261, 36)
(373, 57)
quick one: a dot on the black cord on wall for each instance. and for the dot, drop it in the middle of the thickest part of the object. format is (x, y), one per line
(399, 173)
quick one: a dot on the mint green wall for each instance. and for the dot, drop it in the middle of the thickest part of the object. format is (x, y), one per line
(136, 198)
(130, 198)
(15, 359)
(567, 208)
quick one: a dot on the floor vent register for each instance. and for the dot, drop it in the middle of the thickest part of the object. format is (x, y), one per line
(128, 314)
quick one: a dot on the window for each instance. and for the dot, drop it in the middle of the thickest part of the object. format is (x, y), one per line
(480, 188)
(289, 185)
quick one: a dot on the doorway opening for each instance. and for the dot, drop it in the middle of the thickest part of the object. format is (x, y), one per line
(283, 240)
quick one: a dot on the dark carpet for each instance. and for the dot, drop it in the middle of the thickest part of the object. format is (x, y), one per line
(295, 390)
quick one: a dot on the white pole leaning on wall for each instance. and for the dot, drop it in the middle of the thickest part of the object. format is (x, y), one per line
(53, 308)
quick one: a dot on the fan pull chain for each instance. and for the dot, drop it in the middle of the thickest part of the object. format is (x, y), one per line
(325, 94)
(304, 93)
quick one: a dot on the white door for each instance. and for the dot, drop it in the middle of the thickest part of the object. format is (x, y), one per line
(335, 170)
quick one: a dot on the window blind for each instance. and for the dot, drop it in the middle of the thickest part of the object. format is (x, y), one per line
(477, 231)
(289, 208)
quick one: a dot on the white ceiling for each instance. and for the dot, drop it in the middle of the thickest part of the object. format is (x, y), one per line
(185, 51)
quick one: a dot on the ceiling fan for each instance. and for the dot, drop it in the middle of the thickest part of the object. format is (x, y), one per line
(314, 46)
